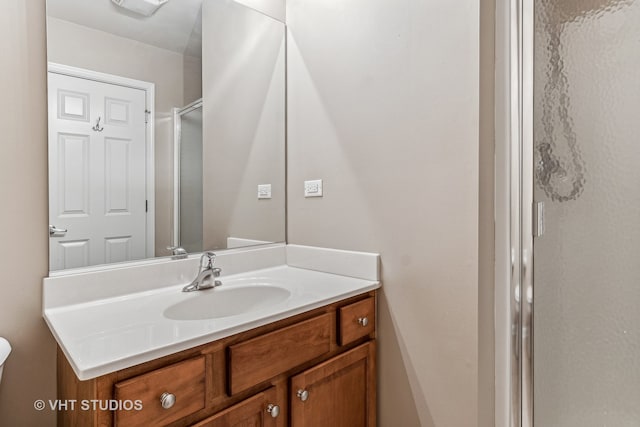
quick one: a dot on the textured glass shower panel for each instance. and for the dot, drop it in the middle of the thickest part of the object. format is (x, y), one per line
(587, 171)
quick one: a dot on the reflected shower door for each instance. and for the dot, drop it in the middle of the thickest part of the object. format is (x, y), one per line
(587, 173)
(191, 185)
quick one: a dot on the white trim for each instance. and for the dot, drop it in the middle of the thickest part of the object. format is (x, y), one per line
(149, 89)
(239, 242)
(361, 265)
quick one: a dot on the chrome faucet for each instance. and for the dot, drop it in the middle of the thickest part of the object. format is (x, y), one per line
(207, 274)
(177, 252)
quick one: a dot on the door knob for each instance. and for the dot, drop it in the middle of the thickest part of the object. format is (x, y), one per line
(56, 232)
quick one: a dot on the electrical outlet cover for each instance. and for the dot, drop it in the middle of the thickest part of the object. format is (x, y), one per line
(313, 188)
(264, 191)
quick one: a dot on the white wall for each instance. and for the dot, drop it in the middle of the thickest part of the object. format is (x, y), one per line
(274, 8)
(30, 371)
(384, 106)
(192, 75)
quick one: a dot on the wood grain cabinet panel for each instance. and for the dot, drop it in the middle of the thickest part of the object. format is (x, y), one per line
(356, 320)
(338, 393)
(261, 410)
(184, 380)
(231, 382)
(261, 358)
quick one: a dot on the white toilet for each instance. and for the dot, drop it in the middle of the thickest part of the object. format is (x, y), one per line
(5, 349)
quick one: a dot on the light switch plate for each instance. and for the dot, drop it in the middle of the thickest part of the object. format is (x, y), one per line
(264, 191)
(313, 188)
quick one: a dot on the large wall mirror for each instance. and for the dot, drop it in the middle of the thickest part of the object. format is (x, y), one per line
(166, 129)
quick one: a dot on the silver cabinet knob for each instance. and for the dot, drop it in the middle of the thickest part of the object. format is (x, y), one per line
(167, 400)
(364, 321)
(303, 395)
(274, 410)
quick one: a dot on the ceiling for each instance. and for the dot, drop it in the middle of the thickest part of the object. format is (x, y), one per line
(176, 26)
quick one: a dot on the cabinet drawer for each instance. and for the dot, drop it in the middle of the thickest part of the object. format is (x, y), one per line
(356, 320)
(266, 356)
(184, 380)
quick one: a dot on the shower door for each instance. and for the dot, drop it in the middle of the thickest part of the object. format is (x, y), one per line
(586, 172)
(188, 181)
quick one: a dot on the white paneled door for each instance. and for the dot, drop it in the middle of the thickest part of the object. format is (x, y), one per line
(96, 173)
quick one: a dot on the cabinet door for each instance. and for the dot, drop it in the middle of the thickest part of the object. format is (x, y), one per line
(338, 393)
(260, 410)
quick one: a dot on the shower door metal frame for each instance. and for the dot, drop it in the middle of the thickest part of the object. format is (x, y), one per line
(526, 307)
(522, 286)
(514, 237)
(177, 146)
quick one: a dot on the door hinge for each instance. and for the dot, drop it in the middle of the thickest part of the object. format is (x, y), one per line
(146, 115)
(538, 219)
(146, 206)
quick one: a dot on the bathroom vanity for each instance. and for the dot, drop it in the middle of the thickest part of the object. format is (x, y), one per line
(316, 368)
(302, 354)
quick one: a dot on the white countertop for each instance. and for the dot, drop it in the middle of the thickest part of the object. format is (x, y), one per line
(105, 335)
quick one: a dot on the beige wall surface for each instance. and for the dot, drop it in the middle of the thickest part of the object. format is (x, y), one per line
(78, 46)
(192, 75)
(486, 227)
(379, 109)
(29, 373)
(244, 124)
(384, 107)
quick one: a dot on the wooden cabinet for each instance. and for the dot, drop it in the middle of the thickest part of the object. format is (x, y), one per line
(166, 394)
(248, 379)
(268, 355)
(257, 411)
(356, 320)
(338, 393)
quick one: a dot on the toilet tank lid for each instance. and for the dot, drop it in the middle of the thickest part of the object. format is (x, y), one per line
(5, 349)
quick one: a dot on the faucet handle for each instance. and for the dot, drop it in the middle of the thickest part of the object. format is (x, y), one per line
(210, 257)
(177, 252)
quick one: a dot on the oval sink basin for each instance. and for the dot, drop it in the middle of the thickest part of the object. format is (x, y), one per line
(225, 302)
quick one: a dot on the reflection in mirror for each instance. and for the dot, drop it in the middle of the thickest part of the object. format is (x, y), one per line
(187, 219)
(162, 129)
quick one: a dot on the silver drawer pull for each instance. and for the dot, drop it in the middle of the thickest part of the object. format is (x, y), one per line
(167, 400)
(303, 395)
(364, 321)
(274, 410)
